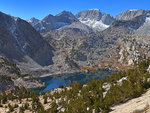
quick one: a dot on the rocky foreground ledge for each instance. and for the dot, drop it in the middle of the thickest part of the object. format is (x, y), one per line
(136, 105)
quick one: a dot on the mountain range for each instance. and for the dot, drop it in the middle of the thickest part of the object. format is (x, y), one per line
(67, 43)
(92, 18)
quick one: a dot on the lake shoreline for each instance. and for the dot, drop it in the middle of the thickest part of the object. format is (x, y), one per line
(62, 73)
(54, 81)
(47, 75)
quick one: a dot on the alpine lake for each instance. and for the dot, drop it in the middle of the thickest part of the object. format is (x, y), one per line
(54, 81)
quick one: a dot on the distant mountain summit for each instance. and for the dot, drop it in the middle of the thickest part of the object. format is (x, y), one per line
(95, 19)
(33, 21)
(67, 17)
(51, 22)
(130, 14)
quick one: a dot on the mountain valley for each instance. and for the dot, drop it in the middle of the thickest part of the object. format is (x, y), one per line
(76, 44)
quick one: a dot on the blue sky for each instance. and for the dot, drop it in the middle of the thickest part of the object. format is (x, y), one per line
(26, 9)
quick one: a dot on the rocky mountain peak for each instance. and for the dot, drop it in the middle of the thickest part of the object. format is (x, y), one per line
(51, 22)
(95, 19)
(63, 13)
(92, 14)
(33, 21)
(130, 14)
(48, 17)
(66, 17)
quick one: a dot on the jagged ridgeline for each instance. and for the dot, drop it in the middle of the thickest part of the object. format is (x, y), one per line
(94, 96)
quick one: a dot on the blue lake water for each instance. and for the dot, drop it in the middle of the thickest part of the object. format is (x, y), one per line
(55, 81)
(54, 84)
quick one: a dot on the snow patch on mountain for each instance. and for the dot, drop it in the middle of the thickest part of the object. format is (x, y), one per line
(148, 19)
(95, 19)
(94, 24)
(29, 20)
(144, 29)
(15, 18)
(133, 9)
(42, 28)
(94, 9)
(33, 21)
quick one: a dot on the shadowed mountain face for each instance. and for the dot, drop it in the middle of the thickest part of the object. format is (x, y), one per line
(19, 39)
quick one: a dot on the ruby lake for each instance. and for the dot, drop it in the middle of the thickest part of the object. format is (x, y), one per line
(55, 81)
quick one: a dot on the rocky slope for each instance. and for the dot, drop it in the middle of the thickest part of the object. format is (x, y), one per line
(121, 45)
(68, 38)
(11, 76)
(137, 105)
